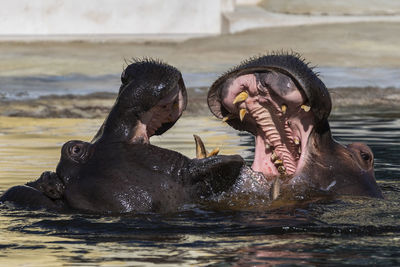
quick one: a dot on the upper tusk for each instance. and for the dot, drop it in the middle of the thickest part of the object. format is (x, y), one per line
(242, 113)
(241, 97)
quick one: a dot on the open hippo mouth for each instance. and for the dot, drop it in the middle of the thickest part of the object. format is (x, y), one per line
(282, 102)
(274, 98)
(152, 97)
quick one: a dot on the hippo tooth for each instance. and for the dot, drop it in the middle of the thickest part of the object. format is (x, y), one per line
(267, 146)
(275, 189)
(278, 162)
(274, 156)
(226, 118)
(242, 113)
(241, 97)
(201, 151)
(213, 152)
(305, 108)
(296, 141)
(284, 108)
(281, 169)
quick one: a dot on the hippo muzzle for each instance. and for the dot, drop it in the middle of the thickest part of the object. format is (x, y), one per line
(283, 103)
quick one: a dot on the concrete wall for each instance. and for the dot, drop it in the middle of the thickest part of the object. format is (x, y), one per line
(248, 2)
(75, 17)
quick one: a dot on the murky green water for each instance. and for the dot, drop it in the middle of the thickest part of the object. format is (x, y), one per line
(349, 231)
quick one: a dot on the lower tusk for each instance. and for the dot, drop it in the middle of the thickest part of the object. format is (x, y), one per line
(242, 113)
(241, 97)
(275, 189)
(201, 151)
(214, 152)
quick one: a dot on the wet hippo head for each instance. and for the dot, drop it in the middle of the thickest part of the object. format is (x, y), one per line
(151, 99)
(120, 171)
(284, 104)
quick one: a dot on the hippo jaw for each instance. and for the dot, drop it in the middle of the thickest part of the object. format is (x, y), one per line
(279, 116)
(165, 113)
(280, 101)
(283, 103)
(152, 97)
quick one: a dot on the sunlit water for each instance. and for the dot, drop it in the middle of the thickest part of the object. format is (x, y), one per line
(347, 231)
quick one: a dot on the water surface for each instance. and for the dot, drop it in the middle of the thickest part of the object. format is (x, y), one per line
(353, 231)
(30, 87)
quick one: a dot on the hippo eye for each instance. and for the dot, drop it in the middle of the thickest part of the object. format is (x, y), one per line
(365, 156)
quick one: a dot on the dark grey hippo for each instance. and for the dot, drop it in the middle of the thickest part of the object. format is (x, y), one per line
(277, 98)
(282, 102)
(120, 171)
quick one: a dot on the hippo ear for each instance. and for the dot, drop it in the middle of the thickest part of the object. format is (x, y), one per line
(77, 151)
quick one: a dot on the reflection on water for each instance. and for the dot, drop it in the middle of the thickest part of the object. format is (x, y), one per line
(351, 231)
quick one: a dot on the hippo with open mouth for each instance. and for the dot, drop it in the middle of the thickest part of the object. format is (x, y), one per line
(277, 98)
(282, 102)
(120, 171)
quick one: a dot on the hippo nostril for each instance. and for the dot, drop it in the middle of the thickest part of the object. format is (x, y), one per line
(75, 150)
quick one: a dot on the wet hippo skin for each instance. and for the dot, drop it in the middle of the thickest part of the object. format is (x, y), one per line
(120, 171)
(277, 98)
(282, 102)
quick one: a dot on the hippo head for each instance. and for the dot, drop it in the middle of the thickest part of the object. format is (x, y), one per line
(151, 99)
(120, 171)
(284, 104)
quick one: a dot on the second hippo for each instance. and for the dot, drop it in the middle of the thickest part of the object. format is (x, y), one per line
(282, 102)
